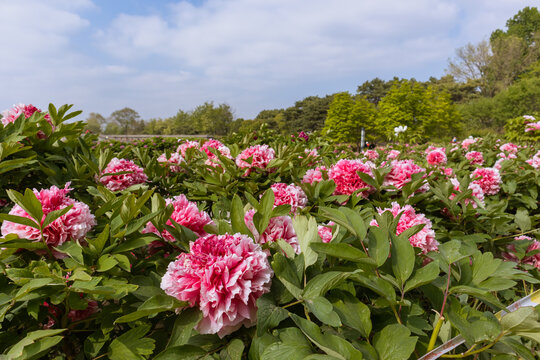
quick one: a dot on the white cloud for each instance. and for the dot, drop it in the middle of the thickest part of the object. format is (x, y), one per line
(251, 54)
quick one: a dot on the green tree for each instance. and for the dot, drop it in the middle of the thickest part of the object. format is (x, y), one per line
(212, 120)
(525, 25)
(127, 120)
(346, 117)
(426, 111)
(374, 90)
(94, 122)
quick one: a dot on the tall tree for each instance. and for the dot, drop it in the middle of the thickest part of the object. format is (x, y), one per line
(127, 120)
(374, 90)
(471, 63)
(212, 120)
(94, 122)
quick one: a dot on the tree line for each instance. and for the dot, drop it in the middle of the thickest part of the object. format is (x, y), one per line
(484, 85)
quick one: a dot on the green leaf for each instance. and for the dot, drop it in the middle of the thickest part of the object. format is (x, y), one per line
(101, 240)
(523, 220)
(73, 249)
(307, 233)
(379, 245)
(19, 220)
(268, 314)
(484, 265)
(423, 276)
(184, 352)
(285, 271)
(132, 345)
(343, 251)
(514, 319)
(135, 243)
(31, 345)
(321, 283)
(356, 222)
(394, 343)
(31, 286)
(323, 310)
(402, 258)
(331, 344)
(106, 262)
(183, 326)
(53, 215)
(237, 216)
(152, 306)
(352, 312)
(233, 351)
(123, 262)
(293, 346)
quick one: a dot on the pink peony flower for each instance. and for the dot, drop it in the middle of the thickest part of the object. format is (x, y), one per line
(344, 174)
(186, 214)
(325, 233)
(489, 180)
(371, 154)
(91, 309)
(475, 157)
(393, 154)
(173, 161)
(10, 115)
(314, 175)
(182, 149)
(401, 174)
(280, 227)
(217, 145)
(535, 161)
(468, 142)
(477, 192)
(424, 239)
(260, 155)
(289, 194)
(533, 260)
(135, 176)
(303, 135)
(223, 275)
(509, 148)
(71, 226)
(436, 156)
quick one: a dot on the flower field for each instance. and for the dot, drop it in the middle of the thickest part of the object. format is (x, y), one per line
(264, 246)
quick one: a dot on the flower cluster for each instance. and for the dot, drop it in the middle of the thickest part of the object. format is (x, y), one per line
(468, 142)
(345, 174)
(436, 156)
(475, 157)
(401, 174)
(216, 145)
(489, 180)
(223, 275)
(535, 161)
(533, 260)
(314, 175)
(71, 226)
(185, 213)
(172, 161)
(280, 227)
(134, 175)
(189, 144)
(10, 115)
(477, 193)
(425, 238)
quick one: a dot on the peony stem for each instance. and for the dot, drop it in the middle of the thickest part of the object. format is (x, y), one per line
(293, 303)
(435, 333)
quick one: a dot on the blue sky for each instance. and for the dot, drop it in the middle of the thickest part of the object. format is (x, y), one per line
(161, 56)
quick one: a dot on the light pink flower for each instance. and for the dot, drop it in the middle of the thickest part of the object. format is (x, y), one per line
(289, 194)
(425, 238)
(533, 260)
(314, 175)
(535, 161)
(393, 154)
(217, 145)
(260, 155)
(401, 174)
(477, 192)
(468, 142)
(173, 161)
(534, 126)
(489, 180)
(325, 232)
(71, 226)
(223, 275)
(135, 176)
(371, 154)
(344, 174)
(436, 156)
(10, 115)
(280, 227)
(185, 213)
(189, 144)
(475, 157)
(509, 148)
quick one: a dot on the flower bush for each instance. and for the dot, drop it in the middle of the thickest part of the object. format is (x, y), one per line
(268, 254)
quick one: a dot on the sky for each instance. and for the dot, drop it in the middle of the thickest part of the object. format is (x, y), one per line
(158, 57)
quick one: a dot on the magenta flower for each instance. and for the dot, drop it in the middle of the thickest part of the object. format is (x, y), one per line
(91, 309)
(489, 180)
(173, 161)
(217, 145)
(182, 149)
(10, 115)
(436, 156)
(118, 182)
(185, 213)
(223, 275)
(533, 260)
(401, 174)
(71, 226)
(344, 174)
(425, 238)
(314, 175)
(280, 227)
(477, 192)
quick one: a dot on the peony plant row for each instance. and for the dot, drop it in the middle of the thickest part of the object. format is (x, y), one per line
(263, 246)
